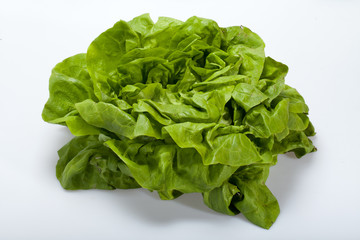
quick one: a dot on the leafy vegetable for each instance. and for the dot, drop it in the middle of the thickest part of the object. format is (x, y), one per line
(178, 107)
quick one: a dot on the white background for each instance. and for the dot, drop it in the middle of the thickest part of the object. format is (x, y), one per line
(318, 194)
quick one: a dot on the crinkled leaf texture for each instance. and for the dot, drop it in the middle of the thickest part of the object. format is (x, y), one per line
(178, 107)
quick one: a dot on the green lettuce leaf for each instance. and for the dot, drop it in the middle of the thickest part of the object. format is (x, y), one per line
(178, 107)
(69, 84)
(85, 163)
(247, 193)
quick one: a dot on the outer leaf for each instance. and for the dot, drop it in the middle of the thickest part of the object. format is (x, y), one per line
(219, 199)
(246, 193)
(79, 127)
(162, 32)
(168, 168)
(243, 42)
(264, 123)
(194, 107)
(142, 24)
(104, 54)
(248, 96)
(207, 29)
(273, 76)
(86, 163)
(297, 142)
(107, 116)
(69, 84)
(215, 143)
(296, 104)
(258, 204)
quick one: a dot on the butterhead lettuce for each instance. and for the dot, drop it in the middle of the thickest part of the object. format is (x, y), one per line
(178, 107)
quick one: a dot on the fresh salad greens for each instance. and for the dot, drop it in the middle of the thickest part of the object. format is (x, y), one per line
(178, 107)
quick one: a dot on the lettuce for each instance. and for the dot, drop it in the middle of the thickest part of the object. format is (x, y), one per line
(178, 107)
